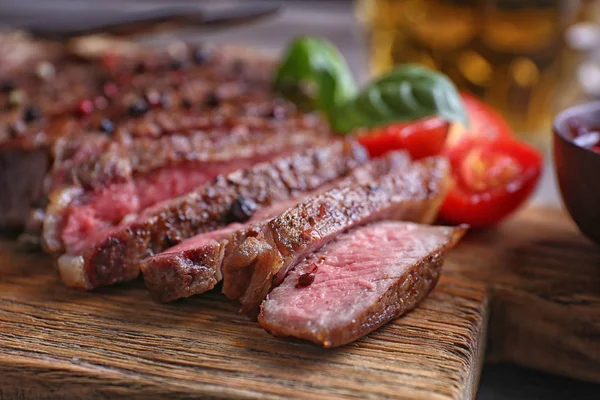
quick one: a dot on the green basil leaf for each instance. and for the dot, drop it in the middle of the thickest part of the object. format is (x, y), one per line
(314, 72)
(409, 92)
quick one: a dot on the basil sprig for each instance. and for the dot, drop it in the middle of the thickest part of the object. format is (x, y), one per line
(314, 73)
(408, 92)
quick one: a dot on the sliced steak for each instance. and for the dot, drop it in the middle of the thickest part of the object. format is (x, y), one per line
(194, 266)
(94, 160)
(125, 180)
(52, 96)
(359, 282)
(121, 89)
(26, 97)
(260, 257)
(115, 255)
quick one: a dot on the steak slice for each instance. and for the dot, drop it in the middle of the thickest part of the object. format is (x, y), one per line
(115, 255)
(359, 282)
(125, 180)
(260, 257)
(194, 266)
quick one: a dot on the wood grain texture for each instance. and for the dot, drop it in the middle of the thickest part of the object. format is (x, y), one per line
(544, 279)
(117, 343)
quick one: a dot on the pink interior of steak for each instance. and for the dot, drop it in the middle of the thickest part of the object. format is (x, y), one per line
(104, 208)
(339, 286)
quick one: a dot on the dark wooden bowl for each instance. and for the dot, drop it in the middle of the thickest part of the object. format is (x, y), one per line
(578, 169)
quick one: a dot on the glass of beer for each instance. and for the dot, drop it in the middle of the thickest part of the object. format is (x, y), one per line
(510, 53)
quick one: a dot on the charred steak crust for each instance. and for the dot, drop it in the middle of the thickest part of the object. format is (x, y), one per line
(21, 181)
(266, 254)
(193, 268)
(117, 257)
(403, 295)
(170, 277)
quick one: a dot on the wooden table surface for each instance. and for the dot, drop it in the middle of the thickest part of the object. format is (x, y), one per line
(333, 19)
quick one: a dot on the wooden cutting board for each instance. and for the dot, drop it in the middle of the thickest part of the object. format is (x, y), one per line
(535, 279)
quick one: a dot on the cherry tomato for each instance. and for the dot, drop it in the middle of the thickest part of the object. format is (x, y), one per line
(484, 121)
(422, 138)
(492, 178)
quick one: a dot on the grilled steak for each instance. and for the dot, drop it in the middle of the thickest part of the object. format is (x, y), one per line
(55, 98)
(261, 256)
(51, 99)
(115, 256)
(125, 180)
(359, 282)
(194, 266)
(35, 82)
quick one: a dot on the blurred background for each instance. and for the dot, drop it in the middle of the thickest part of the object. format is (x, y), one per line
(527, 58)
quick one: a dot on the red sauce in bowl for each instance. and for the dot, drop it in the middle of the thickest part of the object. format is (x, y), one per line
(584, 134)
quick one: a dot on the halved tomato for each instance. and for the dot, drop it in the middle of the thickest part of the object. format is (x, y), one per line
(492, 178)
(485, 122)
(422, 138)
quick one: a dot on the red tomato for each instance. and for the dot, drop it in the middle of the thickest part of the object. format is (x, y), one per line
(422, 138)
(493, 173)
(492, 178)
(484, 121)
